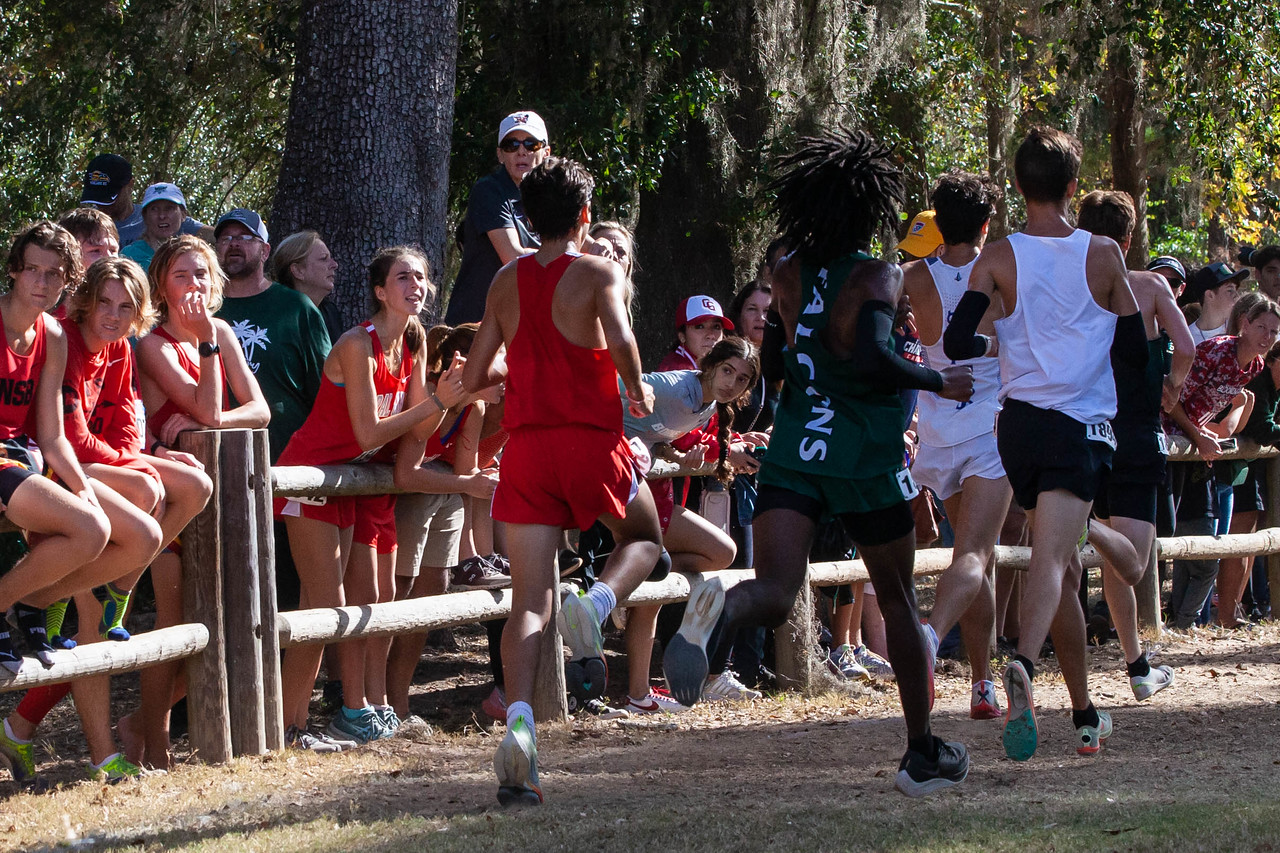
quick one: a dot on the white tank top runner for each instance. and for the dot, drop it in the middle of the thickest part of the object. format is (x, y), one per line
(1055, 348)
(946, 423)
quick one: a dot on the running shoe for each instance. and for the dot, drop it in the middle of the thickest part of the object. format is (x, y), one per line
(658, 701)
(500, 562)
(389, 720)
(918, 775)
(605, 711)
(115, 770)
(983, 705)
(685, 660)
(585, 675)
(880, 669)
(1146, 686)
(296, 738)
(477, 573)
(726, 687)
(1021, 734)
(495, 705)
(9, 658)
(18, 757)
(362, 728)
(841, 663)
(516, 764)
(1089, 738)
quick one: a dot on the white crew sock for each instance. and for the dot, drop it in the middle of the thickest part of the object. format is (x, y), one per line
(604, 600)
(9, 733)
(521, 709)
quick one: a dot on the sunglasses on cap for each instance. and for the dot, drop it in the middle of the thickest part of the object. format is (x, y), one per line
(511, 146)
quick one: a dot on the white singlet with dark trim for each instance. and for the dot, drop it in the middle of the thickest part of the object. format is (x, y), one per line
(946, 423)
(1057, 355)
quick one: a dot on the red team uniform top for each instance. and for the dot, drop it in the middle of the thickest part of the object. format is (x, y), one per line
(18, 377)
(566, 462)
(550, 381)
(326, 437)
(170, 408)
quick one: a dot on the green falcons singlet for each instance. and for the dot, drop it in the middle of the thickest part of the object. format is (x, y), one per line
(828, 422)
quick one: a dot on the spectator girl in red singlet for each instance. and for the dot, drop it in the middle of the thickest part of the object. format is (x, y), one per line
(69, 524)
(189, 367)
(100, 407)
(373, 391)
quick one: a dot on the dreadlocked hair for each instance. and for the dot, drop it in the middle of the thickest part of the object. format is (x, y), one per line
(835, 194)
(727, 348)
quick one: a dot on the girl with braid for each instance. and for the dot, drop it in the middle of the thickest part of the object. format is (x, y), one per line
(837, 444)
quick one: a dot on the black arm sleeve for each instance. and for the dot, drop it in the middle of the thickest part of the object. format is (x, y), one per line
(874, 359)
(1129, 346)
(772, 365)
(961, 339)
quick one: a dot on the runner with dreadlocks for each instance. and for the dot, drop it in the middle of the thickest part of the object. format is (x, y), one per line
(837, 443)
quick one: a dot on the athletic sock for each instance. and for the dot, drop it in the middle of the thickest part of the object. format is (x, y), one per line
(31, 624)
(1027, 665)
(54, 615)
(354, 714)
(1087, 717)
(602, 597)
(8, 732)
(114, 603)
(521, 709)
(926, 745)
(39, 701)
(1140, 667)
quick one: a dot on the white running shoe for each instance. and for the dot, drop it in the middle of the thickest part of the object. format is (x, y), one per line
(726, 687)
(1146, 686)
(657, 702)
(879, 668)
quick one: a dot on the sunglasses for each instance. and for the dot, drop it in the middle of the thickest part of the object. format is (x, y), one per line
(511, 146)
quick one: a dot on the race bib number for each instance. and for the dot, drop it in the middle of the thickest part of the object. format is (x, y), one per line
(907, 485)
(1162, 442)
(1101, 432)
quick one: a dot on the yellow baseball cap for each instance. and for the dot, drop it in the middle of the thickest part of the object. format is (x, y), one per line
(923, 237)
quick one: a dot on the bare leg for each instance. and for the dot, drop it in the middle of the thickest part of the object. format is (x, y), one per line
(532, 549)
(1233, 573)
(977, 513)
(1056, 524)
(873, 623)
(1069, 637)
(1121, 601)
(157, 682)
(377, 648)
(73, 534)
(642, 627)
(93, 695)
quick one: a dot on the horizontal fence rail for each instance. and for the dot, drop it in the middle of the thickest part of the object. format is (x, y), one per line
(177, 642)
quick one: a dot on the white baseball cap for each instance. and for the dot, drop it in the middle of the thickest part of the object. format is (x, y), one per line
(526, 120)
(696, 309)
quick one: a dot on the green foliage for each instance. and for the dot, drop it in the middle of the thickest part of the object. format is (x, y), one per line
(190, 92)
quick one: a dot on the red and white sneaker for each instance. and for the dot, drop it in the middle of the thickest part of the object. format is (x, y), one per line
(658, 701)
(983, 705)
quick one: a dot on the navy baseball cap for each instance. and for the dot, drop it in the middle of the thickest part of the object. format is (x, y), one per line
(246, 217)
(105, 178)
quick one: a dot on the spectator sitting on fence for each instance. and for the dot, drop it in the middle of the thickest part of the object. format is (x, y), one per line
(303, 262)
(100, 418)
(449, 491)
(685, 399)
(95, 232)
(164, 209)
(373, 391)
(561, 315)
(66, 525)
(189, 368)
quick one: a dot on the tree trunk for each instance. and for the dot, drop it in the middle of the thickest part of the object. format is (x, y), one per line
(1000, 89)
(1128, 130)
(366, 159)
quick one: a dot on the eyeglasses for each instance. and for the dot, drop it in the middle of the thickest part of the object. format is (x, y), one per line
(511, 146)
(228, 239)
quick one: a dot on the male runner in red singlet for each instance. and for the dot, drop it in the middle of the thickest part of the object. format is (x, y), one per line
(563, 320)
(1068, 312)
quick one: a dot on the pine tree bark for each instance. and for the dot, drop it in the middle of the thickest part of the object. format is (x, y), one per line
(366, 159)
(1128, 144)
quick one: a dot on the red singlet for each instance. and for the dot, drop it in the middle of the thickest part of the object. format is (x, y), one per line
(18, 377)
(92, 395)
(170, 408)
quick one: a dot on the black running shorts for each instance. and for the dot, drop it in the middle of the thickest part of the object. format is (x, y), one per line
(1043, 450)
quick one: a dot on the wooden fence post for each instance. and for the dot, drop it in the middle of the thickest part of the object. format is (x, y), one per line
(1147, 592)
(272, 700)
(208, 712)
(794, 643)
(1273, 520)
(241, 597)
(549, 701)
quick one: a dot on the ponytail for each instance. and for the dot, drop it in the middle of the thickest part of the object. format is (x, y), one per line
(724, 429)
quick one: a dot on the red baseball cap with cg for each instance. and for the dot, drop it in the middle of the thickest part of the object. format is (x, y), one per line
(696, 309)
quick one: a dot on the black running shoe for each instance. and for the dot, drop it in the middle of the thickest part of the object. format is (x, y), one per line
(918, 775)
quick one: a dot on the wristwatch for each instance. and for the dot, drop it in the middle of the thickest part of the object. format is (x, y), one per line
(207, 349)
